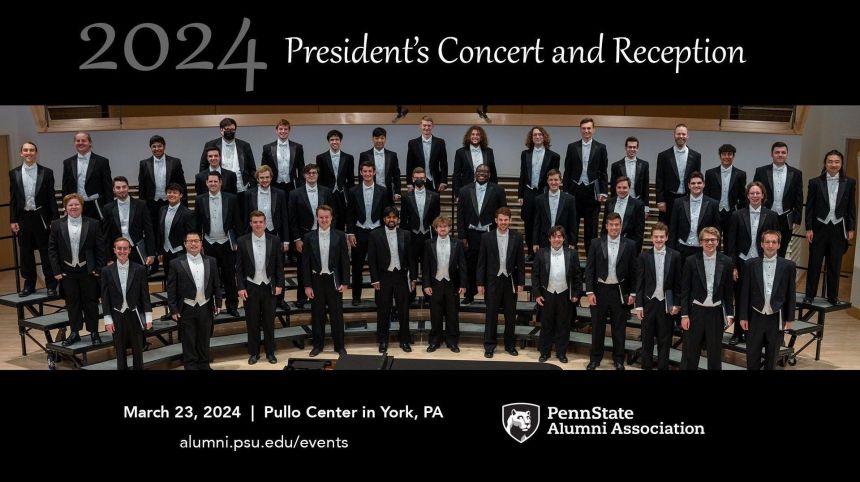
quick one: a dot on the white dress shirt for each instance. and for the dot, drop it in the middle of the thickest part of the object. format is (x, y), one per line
(832, 193)
(258, 245)
(443, 258)
(695, 211)
(502, 241)
(313, 200)
(124, 207)
(230, 160)
(264, 204)
(659, 266)
(725, 180)
(557, 280)
(391, 237)
(367, 193)
(537, 162)
(768, 273)
(553, 198)
(159, 168)
(621, 205)
(335, 164)
(630, 169)
(710, 271)
(681, 164)
(217, 233)
(477, 157)
(755, 218)
(613, 245)
(586, 157)
(198, 271)
(420, 201)
(83, 165)
(123, 270)
(778, 187)
(325, 245)
(28, 176)
(426, 145)
(379, 161)
(480, 193)
(168, 222)
(283, 161)
(75, 226)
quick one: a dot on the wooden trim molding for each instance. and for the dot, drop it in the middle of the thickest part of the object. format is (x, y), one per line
(375, 118)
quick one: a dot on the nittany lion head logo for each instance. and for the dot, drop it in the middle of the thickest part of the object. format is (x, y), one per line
(520, 420)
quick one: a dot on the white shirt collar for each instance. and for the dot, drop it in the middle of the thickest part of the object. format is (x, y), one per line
(832, 178)
(427, 139)
(725, 169)
(380, 152)
(613, 241)
(311, 188)
(120, 201)
(258, 238)
(325, 231)
(283, 143)
(682, 150)
(264, 191)
(333, 154)
(696, 199)
(779, 168)
(366, 187)
(215, 196)
(769, 260)
(194, 258)
(660, 251)
(709, 258)
(500, 234)
(159, 159)
(557, 252)
(584, 143)
(29, 168)
(755, 210)
(123, 266)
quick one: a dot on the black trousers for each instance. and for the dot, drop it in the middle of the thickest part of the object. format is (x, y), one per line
(529, 210)
(500, 294)
(828, 245)
(706, 327)
(656, 322)
(393, 292)
(154, 208)
(338, 201)
(225, 257)
(82, 300)
(326, 300)
(587, 209)
(195, 325)
(90, 210)
(168, 257)
(725, 220)
(742, 268)
(687, 251)
(670, 197)
(764, 332)
(555, 323)
(128, 334)
(609, 303)
(474, 238)
(301, 297)
(416, 249)
(785, 230)
(359, 257)
(34, 235)
(260, 313)
(444, 303)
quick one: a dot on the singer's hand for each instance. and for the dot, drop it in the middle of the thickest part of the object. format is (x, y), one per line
(809, 235)
(745, 324)
(109, 328)
(428, 291)
(341, 288)
(352, 241)
(243, 294)
(480, 290)
(640, 314)
(14, 227)
(278, 290)
(539, 300)
(149, 325)
(592, 299)
(309, 292)
(685, 322)
(676, 310)
(375, 285)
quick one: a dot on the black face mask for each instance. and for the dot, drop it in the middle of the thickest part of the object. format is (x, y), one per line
(229, 135)
(419, 183)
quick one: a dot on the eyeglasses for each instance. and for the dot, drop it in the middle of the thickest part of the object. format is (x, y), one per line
(192, 241)
(709, 240)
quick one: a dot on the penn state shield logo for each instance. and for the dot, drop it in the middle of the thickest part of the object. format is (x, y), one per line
(520, 420)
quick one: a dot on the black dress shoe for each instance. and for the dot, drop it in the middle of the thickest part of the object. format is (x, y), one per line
(342, 352)
(283, 305)
(383, 347)
(165, 317)
(356, 302)
(72, 339)
(467, 300)
(233, 312)
(300, 305)
(735, 340)
(512, 351)
(272, 359)
(432, 348)
(52, 291)
(27, 291)
(592, 365)
(316, 351)
(405, 347)
(543, 358)
(454, 348)
(253, 359)
(833, 301)
(488, 354)
(530, 258)
(562, 359)
(95, 338)
(619, 366)
(808, 299)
